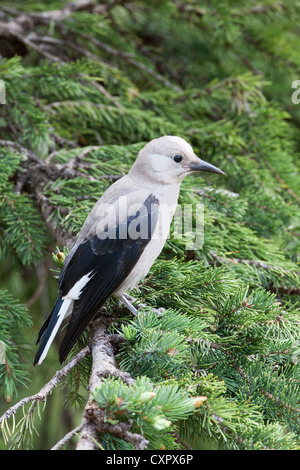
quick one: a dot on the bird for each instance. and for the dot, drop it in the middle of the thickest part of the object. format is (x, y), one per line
(120, 239)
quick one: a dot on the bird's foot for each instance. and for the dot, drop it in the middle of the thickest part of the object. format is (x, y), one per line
(128, 299)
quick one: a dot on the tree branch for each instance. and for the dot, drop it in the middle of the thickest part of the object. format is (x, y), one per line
(67, 437)
(104, 365)
(120, 430)
(47, 389)
(250, 262)
(18, 27)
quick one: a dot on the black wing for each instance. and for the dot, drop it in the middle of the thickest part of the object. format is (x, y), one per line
(109, 261)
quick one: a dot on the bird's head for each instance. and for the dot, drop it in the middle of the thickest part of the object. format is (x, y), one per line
(168, 160)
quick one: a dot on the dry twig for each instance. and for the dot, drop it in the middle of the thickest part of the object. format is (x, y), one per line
(47, 389)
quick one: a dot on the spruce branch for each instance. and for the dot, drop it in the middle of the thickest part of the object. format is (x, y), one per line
(286, 290)
(17, 28)
(91, 84)
(20, 221)
(46, 389)
(68, 437)
(52, 15)
(104, 365)
(30, 155)
(283, 183)
(120, 430)
(250, 262)
(206, 192)
(130, 58)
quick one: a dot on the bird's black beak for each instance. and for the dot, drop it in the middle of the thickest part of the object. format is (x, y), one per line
(204, 166)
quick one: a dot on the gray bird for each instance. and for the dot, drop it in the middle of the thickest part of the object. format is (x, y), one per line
(120, 239)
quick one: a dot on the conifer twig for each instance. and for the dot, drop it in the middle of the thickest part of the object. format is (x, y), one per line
(67, 437)
(283, 183)
(120, 430)
(47, 389)
(250, 262)
(29, 154)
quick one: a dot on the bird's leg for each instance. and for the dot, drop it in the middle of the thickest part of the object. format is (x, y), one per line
(125, 298)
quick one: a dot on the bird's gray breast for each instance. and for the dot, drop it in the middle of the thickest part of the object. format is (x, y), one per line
(161, 217)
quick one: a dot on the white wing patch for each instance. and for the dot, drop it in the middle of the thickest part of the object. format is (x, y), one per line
(76, 290)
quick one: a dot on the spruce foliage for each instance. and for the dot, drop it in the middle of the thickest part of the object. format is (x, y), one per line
(214, 352)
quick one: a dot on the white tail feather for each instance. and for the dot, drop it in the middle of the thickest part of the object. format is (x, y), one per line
(64, 311)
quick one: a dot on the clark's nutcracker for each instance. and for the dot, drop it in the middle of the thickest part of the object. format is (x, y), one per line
(120, 239)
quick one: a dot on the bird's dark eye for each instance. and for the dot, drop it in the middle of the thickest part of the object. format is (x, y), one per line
(177, 158)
